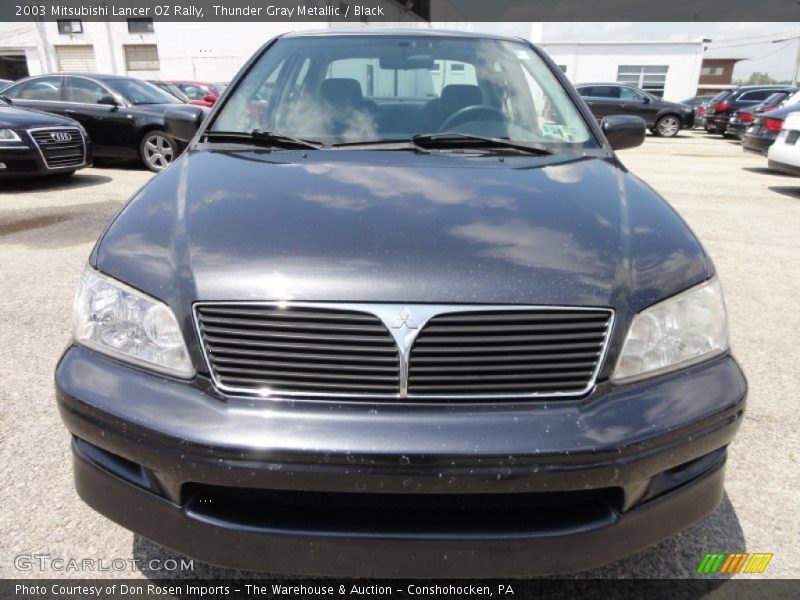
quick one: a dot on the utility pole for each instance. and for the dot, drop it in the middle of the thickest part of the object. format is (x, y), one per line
(796, 63)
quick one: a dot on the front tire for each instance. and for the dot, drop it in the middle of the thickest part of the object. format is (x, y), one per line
(157, 150)
(668, 126)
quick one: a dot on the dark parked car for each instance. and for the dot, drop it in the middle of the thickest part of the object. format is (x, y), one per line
(765, 129)
(123, 116)
(36, 143)
(390, 326)
(743, 118)
(699, 104)
(663, 118)
(727, 102)
(170, 88)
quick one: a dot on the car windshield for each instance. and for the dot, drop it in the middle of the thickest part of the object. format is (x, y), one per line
(137, 91)
(346, 89)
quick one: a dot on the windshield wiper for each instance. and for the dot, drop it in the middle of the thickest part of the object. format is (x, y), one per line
(399, 144)
(448, 138)
(269, 138)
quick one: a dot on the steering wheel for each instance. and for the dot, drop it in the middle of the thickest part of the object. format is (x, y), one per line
(471, 113)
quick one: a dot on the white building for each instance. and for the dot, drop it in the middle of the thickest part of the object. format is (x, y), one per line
(215, 51)
(205, 51)
(667, 69)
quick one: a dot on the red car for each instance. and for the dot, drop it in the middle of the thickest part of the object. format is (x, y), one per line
(199, 92)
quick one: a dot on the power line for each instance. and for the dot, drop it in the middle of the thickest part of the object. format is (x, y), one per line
(713, 45)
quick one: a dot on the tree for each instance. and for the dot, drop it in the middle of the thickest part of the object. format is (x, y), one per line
(757, 78)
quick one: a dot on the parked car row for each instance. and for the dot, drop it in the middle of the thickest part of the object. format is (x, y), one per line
(107, 116)
(765, 118)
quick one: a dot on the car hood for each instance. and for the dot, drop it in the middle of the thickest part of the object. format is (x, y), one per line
(22, 118)
(400, 227)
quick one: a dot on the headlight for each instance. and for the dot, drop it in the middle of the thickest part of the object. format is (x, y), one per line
(9, 135)
(679, 331)
(115, 319)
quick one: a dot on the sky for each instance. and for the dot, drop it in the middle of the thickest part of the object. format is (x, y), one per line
(730, 40)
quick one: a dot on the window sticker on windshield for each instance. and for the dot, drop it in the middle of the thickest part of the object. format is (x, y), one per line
(563, 132)
(523, 55)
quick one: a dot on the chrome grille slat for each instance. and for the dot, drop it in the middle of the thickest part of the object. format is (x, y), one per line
(425, 352)
(321, 350)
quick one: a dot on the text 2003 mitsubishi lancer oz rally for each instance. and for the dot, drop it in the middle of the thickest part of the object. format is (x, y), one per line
(400, 311)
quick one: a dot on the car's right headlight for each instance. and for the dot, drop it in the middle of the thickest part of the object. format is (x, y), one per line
(118, 320)
(675, 333)
(9, 135)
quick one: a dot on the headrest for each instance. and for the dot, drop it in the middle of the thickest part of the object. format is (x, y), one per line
(341, 91)
(457, 96)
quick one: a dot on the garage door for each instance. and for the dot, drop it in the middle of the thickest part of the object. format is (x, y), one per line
(75, 58)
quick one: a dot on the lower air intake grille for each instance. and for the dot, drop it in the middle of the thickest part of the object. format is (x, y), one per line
(508, 352)
(267, 348)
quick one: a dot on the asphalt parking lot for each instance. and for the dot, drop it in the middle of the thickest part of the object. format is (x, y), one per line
(747, 217)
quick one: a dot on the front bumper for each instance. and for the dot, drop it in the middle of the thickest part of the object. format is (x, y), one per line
(172, 461)
(23, 160)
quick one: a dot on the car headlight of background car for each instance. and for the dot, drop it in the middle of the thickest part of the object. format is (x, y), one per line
(9, 135)
(677, 332)
(115, 319)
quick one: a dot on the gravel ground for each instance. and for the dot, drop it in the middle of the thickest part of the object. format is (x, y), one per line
(747, 217)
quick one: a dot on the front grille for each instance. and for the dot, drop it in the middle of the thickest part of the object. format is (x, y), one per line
(401, 513)
(269, 349)
(459, 352)
(59, 153)
(548, 351)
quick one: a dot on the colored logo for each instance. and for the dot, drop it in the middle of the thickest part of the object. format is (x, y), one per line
(729, 563)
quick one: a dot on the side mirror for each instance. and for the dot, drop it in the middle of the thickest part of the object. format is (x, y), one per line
(646, 99)
(182, 122)
(210, 98)
(108, 100)
(623, 131)
(6, 99)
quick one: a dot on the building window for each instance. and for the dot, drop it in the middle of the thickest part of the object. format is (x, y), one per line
(68, 27)
(649, 78)
(140, 26)
(142, 57)
(712, 71)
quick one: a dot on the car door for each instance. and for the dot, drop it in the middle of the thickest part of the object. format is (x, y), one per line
(636, 103)
(603, 100)
(40, 93)
(108, 125)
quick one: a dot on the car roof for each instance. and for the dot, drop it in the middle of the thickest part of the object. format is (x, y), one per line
(406, 31)
(97, 76)
(607, 83)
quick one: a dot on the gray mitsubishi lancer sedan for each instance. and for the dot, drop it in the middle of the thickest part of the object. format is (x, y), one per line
(400, 311)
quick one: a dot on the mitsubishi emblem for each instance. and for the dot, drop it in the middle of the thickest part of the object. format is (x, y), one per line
(405, 320)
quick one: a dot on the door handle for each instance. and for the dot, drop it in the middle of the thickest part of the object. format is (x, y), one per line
(70, 112)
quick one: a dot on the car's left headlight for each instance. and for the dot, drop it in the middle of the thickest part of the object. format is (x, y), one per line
(9, 135)
(118, 320)
(677, 332)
